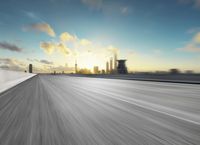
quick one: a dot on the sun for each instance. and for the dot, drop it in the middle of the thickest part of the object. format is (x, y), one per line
(89, 61)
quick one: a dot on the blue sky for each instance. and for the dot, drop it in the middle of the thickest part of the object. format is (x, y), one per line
(151, 34)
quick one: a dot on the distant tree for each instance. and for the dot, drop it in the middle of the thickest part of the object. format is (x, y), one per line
(103, 71)
(189, 71)
(84, 71)
(174, 71)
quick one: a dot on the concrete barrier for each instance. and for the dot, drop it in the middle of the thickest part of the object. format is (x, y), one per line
(10, 79)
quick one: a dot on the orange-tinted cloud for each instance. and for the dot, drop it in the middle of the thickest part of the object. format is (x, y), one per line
(65, 37)
(41, 27)
(48, 47)
(63, 49)
(194, 45)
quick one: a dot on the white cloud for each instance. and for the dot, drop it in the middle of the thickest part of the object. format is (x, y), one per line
(112, 49)
(41, 27)
(85, 42)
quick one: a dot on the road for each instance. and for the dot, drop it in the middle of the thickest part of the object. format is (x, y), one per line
(64, 110)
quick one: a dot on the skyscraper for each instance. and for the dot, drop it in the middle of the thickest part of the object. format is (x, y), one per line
(111, 65)
(96, 70)
(76, 69)
(107, 67)
(115, 62)
(30, 68)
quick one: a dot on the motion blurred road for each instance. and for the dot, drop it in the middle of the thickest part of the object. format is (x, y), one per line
(65, 110)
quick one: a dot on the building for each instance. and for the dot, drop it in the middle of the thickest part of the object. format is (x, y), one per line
(115, 62)
(76, 67)
(121, 68)
(96, 70)
(111, 65)
(30, 68)
(107, 67)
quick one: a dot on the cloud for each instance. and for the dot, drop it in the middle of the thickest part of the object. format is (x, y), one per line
(61, 68)
(196, 3)
(63, 49)
(48, 47)
(193, 30)
(29, 59)
(46, 66)
(31, 15)
(65, 37)
(112, 49)
(9, 46)
(46, 61)
(12, 64)
(41, 27)
(94, 4)
(191, 48)
(73, 47)
(194, 45)
(107, 7)
(85, 42)
(197, 38)
(125, 10)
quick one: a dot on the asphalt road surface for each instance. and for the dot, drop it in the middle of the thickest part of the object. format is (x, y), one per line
(64, 110)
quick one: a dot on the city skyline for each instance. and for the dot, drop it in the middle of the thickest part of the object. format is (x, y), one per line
(53, 34)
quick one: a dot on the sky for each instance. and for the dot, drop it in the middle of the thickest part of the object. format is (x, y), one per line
(153, 35)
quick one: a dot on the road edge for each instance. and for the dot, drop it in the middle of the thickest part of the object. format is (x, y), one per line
(3, 92)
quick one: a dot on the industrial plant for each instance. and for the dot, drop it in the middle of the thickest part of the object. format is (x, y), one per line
(116, 66)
